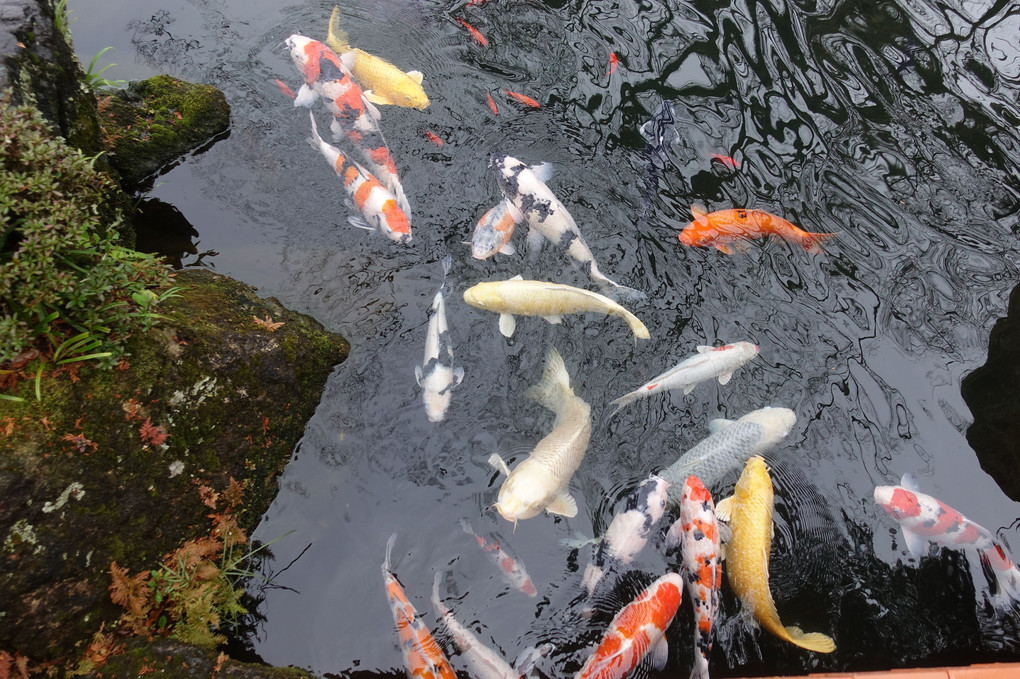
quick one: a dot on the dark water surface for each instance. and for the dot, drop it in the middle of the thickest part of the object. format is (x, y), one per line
(893, 123)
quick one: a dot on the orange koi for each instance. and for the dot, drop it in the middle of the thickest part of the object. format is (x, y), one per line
(433, 137)
(613, 61)
(475, 33)
(637, 630)
(423, 659)
(523, 98)
(729, 229)
(492, 104)
(725, 160)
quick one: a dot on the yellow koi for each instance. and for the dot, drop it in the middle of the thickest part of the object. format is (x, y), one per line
(383, 82)
(749, 511)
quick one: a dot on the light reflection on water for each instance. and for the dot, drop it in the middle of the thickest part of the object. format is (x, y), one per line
(895, 124)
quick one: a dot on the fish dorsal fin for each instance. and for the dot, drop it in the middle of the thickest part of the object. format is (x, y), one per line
(724, 508)
(718, 424)
(415, 76)
(507, 325)
(564, 505)
(336, 37)
(909, 482)
(496, 461)
(518, 277)
(660, 653)
(554, 319)
(544, 171)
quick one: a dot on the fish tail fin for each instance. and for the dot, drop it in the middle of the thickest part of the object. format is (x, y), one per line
(812, 641)
(389, 551)
(554, 388)
(1007, 575)
(315, 140)
(336, 37)
(622, 402)
(436, 600)
(812, 242)
(700, 669)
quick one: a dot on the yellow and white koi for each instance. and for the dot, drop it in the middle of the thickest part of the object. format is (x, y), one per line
(383, 83)
(548, 300)
(540, 481)
(749, 512)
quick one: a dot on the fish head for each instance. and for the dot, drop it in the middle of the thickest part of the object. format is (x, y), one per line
(525, 493)
(651, 497)
(395, 223)
(898, 502)
(303, 52)
(775, 423)
(694, 493)
(484, 296)
(692, 236)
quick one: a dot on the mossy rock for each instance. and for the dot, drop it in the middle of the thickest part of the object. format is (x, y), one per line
(150, 125)
(168, 658)
(85, 478)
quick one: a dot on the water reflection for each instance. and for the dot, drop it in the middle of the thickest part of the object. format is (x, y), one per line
(892, 123)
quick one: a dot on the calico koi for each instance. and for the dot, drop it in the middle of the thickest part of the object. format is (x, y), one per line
(492, 232)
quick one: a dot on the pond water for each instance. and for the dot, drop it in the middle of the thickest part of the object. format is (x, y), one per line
(893, 123)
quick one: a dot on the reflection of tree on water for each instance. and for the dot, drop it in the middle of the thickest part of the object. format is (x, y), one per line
(993, 394)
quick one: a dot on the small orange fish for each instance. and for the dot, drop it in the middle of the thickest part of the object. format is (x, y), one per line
(729, 229)
(475, 33)
(433, 137)
(523, 98)
(613, 60)
(492, 104)
(725, 160)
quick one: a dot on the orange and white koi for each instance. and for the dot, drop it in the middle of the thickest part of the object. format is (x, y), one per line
(492, 232)
(475, 33)
(523, 98)
(326, 77)
(512, 569)
(709, 362)
(423, 658)
(729, 229)
(484, 662)
(637, 630)
(925, 519)
(696, 532)
(376, 202)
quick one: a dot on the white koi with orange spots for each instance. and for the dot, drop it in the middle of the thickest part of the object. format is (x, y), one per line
(423, 659)
(925, 519)
(512, 569)
(696, 532)
(709, 362)
(637, 630)
(492, 232)
(377, 203)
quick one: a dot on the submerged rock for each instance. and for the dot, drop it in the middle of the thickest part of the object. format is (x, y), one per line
(183, 660)
(992, 393)
(109, 465)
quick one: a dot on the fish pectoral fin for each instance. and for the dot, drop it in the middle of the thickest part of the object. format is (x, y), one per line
(415, 76)
(723, 508)
(518, 277)
(372, 110)
(496, 461)
(717, 425)
(689, 388)
(725, 532)
(360, 222)
(910, 483)
(699, 213)
(535, 242)
(418, 374)
(458, 375)
(379, 99)
(306, 96)
(544, 171)
(508, 249)
(512, 210)
(507, 325)
(916, 545)
(725, 249)
(724, 378)
(564, 505)
(660, 653)
(555, 320)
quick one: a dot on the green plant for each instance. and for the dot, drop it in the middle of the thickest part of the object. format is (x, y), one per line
(95, 79)
(67, 288)
(62, 19)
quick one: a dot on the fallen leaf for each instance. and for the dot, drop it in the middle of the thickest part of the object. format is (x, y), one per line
(267, 323)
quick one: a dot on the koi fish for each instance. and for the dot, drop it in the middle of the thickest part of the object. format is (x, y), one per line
(924, 519)
(475, 33)
(436, 376)
(540, 481)
(725, 160)
(629, 531)
(379, 207)
(749, 512)
(523, 98)
(728, 446)
(511, 569)
(423, 659)
(483, 662)
(729, 229)
(492, 104)
(433, 137)
(548, 300)
(354, 117)
(637, 630)
(386, 84)
(659, 133)
(696, 532)
(709, 362)
(493, 231)
(547, 217)
(613, 60)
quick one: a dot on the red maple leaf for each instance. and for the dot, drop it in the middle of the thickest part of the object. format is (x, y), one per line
(152, 433)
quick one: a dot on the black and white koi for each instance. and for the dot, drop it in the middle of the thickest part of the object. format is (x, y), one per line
(436, 376)
(547, 218)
